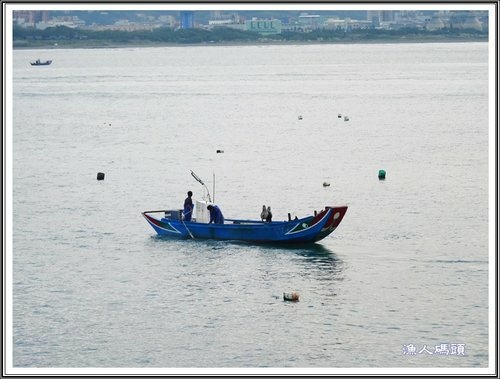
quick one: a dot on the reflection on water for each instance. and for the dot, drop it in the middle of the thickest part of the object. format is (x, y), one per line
(321, 263)
(310, 247)
(308, 258)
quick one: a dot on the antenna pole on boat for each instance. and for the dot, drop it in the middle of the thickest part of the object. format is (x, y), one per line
(201, 182)
(213, 190)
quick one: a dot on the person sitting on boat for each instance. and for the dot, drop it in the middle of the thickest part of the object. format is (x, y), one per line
(269, 215)
(215, 215)
(263, 214)
(188, 207)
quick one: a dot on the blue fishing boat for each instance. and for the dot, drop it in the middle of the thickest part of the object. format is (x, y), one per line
(304, 230)
(309, 229)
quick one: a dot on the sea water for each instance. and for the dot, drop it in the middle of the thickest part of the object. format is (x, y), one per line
(402, 281)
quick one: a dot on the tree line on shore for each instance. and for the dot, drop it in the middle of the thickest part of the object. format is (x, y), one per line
(223, 34)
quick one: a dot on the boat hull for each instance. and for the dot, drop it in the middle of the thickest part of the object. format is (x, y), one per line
(46, 63)
(306, 230)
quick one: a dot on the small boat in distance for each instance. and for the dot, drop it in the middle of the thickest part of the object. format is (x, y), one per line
(299, 231)
(38, 62)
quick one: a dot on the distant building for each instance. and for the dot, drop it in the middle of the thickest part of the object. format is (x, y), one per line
(472, 22)
(29, 19)
(387, 16)
(226, 24)
(72, 22)
(310, 21)
(229, 20)
(377, 18)
(187, 20)
(346, 25)
(380, 16)
(465, 20)
(167, 20)
(215, 15)
(264, 27)
(435, 23)
(220, 22)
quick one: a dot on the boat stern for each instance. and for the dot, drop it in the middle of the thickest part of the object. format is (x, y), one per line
(161, 227)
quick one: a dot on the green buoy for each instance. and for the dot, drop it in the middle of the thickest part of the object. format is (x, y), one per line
(381, 174)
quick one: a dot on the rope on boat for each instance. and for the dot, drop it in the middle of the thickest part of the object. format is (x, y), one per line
(183, 223)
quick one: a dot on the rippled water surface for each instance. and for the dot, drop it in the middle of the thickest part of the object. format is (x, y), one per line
(408, 266)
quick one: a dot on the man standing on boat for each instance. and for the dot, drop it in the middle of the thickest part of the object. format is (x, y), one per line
(215, 215)
(188, 207)
(263, 214)
(269, 215)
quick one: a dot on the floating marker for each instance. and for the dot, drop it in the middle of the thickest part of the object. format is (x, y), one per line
(290, 296)
(381, 174)
(100, 176)
(300, 117)
(220, 151)
(339, 115)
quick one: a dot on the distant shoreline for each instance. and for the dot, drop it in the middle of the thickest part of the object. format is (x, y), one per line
(89, 44)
